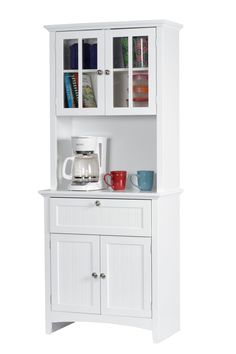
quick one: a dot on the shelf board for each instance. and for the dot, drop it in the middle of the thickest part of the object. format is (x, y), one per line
(107, 193)
(120, 69)
(126, 69)
(92, 71)
(71, 71)
(140, 69)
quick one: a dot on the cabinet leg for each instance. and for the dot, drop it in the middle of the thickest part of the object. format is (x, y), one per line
(54, 326)
(155, 336)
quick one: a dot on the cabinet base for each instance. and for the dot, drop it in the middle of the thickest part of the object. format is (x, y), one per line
(55, 326)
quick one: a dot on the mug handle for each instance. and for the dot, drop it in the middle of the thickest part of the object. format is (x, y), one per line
(104, 177)
(130, 177)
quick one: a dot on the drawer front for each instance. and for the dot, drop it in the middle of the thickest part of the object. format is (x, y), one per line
(100, 217)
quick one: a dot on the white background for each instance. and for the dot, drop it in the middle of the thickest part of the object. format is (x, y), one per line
(208, 175)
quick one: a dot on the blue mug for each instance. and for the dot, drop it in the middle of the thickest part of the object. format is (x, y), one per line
(145, 180)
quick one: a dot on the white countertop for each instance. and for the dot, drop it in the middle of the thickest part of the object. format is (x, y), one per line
(128, 194)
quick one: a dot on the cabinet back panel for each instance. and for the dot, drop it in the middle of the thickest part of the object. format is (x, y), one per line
(131, 144)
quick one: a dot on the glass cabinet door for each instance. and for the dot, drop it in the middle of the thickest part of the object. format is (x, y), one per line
(130, 71)
(79, 68)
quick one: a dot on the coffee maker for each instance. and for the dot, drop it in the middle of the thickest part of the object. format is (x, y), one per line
(88, 163)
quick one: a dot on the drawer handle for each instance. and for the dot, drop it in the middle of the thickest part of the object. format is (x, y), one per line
(97, 203)
(94, 275)
(102, 275)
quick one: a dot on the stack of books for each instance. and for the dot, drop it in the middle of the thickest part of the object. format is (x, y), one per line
(71, 91)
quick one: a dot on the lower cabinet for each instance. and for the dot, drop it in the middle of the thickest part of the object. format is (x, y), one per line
(106, 275)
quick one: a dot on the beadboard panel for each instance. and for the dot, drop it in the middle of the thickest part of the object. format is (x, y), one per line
(126, 288)
(74, 259)
(111, 217)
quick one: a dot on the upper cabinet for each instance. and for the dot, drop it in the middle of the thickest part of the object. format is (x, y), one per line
(115, 70)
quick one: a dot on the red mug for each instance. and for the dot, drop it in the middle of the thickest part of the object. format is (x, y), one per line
(117, 180)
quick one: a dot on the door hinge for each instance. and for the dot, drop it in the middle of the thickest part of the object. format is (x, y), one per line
(50, 243)
(151, 248)
(50, 299)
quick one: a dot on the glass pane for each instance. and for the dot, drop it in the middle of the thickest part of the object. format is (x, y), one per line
(140, 89)
(121, 89)
(140, 52)
(70, 54)
(90, 90)
(120, 52)
(90, 53)
(70, 90)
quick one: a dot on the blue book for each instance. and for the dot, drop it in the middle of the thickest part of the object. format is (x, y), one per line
(74, 56)
(89, 56)
(68, 90)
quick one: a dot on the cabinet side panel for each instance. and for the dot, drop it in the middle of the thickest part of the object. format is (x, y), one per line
(165, 267)
(53, 126)
(168, 108)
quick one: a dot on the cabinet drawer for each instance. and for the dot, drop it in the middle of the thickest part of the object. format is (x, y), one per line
(101, 217)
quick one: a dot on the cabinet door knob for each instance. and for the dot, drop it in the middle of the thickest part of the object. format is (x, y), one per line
(107, 72)
(97, 203)
(102, 275)
(94, 275)
(99, 72)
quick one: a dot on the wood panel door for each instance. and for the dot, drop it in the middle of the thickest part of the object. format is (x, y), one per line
(126, 276)
(74, 258)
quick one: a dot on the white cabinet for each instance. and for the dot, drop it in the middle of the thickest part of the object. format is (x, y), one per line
(126, 288)
(106, 72)
(124, 277)
(121, 81)
(74, 259)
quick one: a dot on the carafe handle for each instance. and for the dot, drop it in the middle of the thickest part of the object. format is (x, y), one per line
(130, 177)
(64, 174)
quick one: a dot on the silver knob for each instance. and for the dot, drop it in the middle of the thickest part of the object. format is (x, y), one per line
(99, 72)
(94, 275)
(97, 203)
(107, 72)
(102, 275)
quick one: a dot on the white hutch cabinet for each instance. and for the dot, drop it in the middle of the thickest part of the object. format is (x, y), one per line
(114, 256)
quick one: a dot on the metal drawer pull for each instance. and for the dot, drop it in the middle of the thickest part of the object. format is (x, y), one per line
(107, 72)
(99, 72)
(94, 275)
(102, 275)
(97, 203)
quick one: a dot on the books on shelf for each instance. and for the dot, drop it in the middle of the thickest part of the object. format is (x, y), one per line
(89, 100)
(89, 56)
(74, 56)
(72, 92)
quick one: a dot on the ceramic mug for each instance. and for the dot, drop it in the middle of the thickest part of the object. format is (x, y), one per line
(145, 180)
(117, 180)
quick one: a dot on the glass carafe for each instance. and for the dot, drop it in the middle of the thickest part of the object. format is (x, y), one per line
(85, 168)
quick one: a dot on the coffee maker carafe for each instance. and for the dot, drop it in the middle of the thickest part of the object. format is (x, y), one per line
(88, 163)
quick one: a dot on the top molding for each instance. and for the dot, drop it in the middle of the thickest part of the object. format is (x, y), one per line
(113, 25)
